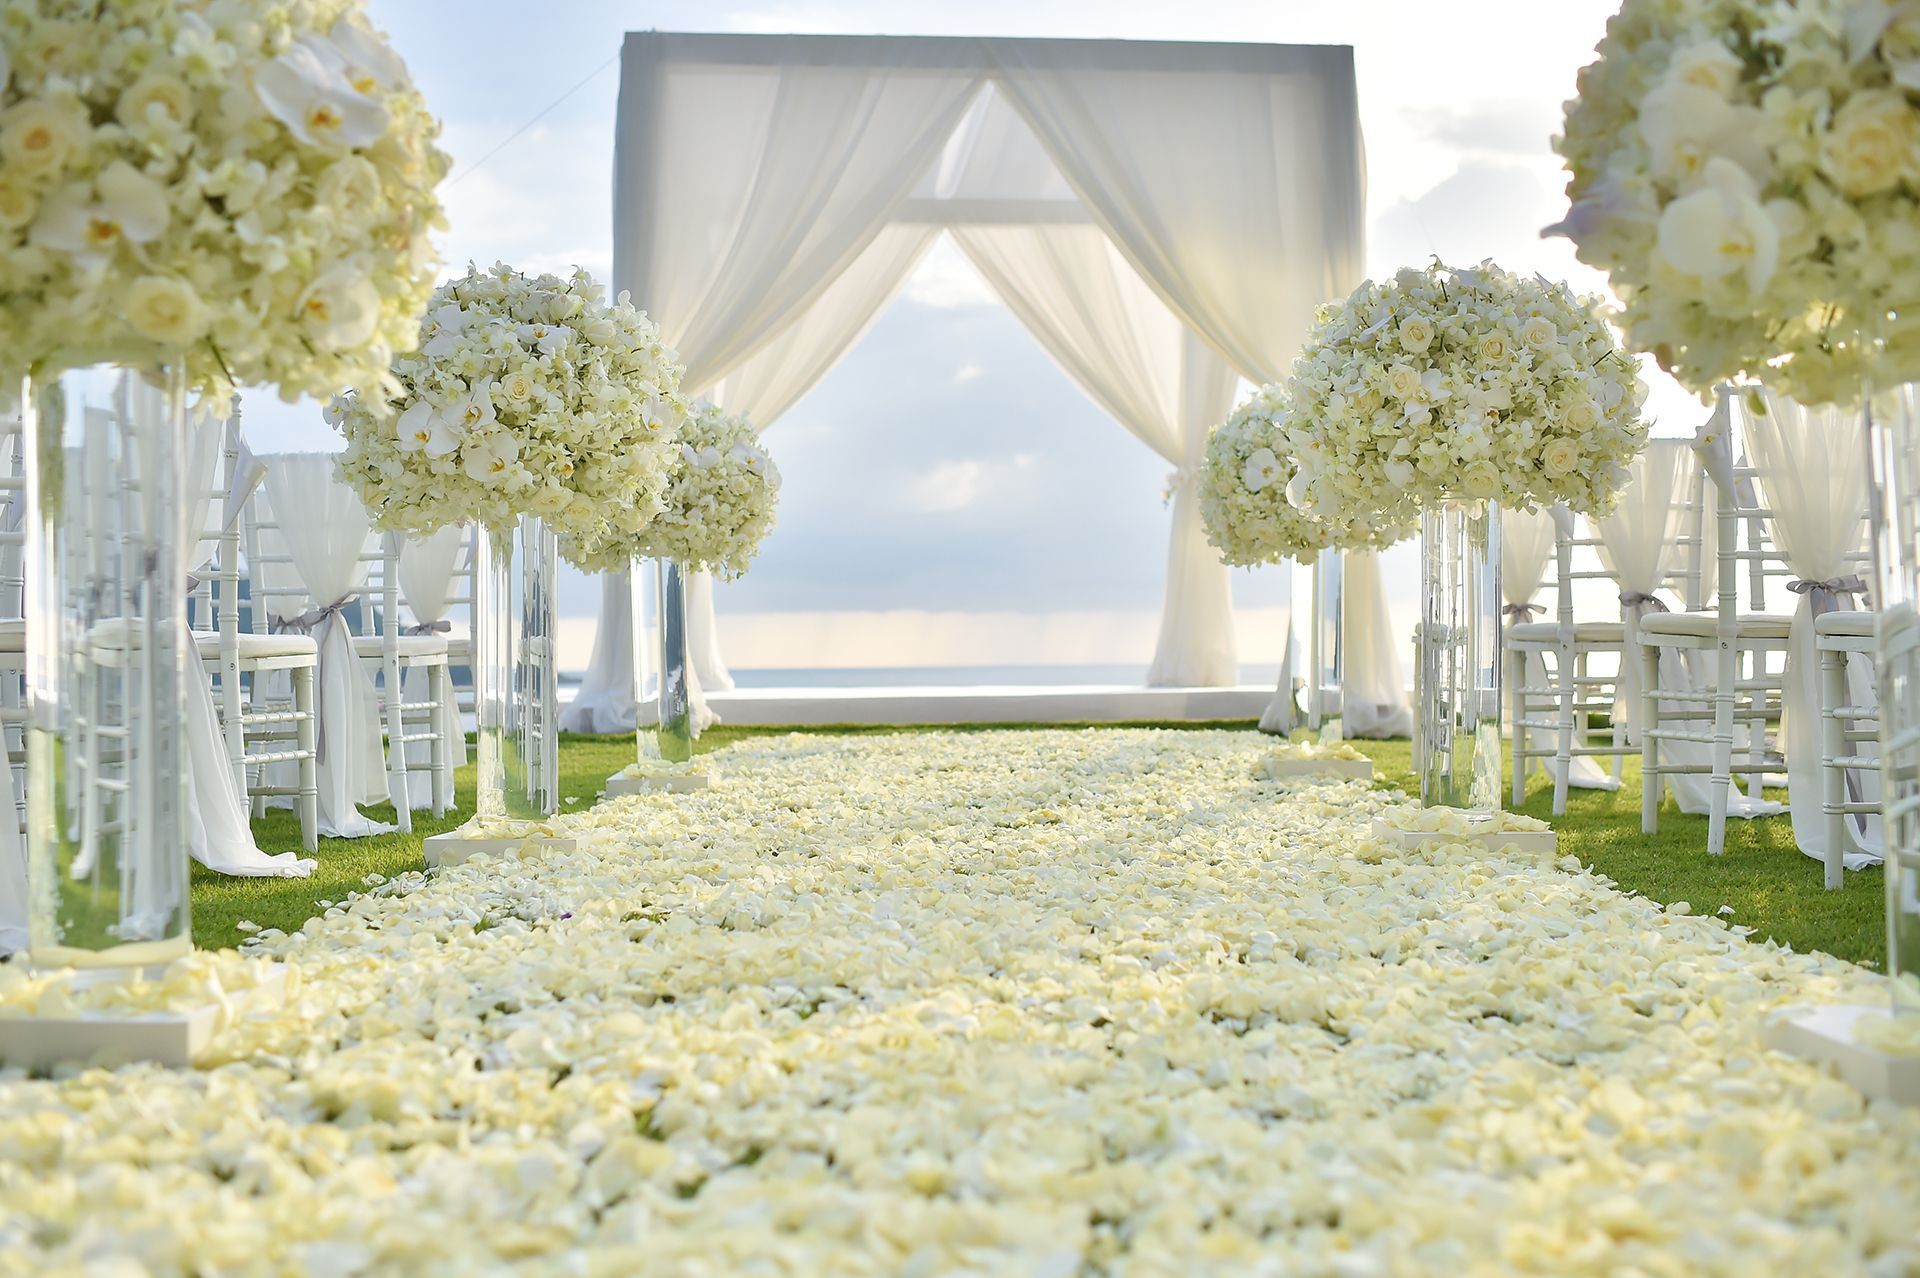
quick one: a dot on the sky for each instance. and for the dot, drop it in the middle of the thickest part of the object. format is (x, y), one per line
(950, 497)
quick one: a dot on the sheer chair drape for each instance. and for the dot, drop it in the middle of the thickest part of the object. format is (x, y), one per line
(1637, 543)
(1240, 230)
(1100, 322)
(425, 570)
(1810, 474)
(326, 530)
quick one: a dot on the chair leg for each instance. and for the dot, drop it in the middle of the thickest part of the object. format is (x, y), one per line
(1722, 779)
(440, 751)
(1517, 709)
(397, 751)
(306, 741)
(1651, 784)
(1563, 716)
(1833, 779)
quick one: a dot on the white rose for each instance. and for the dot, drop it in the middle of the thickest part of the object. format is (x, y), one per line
(1873, 144)
(38, 138)
(1480, 481)
(1403, 382)
(1560, 457)
(165, 310)
(1416, 334)
(1539, 333)
(1582, 416)
(168, 94)
(517, 387)
(1494, 348)
(1706, 64)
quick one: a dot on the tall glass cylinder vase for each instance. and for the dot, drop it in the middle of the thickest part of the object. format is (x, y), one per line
(107, 657)
(1326, 680)
(515, 677)
(676, 705)
(1893, 461)
(1459, 677)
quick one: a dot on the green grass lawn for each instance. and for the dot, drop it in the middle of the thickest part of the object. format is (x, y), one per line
(1771, 887)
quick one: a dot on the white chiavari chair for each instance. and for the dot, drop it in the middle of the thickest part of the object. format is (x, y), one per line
(395, 649)
(1687, 708)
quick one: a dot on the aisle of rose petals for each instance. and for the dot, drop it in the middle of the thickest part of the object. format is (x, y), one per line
(1050, 1003)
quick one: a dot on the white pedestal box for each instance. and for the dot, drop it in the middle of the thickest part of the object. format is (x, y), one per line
(1825, 1035)
(174, 1039)
(1279, 769)
(452, 847)
(1492, 839)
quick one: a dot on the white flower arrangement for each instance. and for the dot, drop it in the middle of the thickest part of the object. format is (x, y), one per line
(718, 505)
(779, 1031)
(1243, 487)
(1447, 384)
(1748, 176)
(528, 396)
(248, 183)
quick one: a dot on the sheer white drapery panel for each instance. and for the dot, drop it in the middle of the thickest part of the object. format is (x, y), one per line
(1811, 477)
(1526, 548)
(1373, 697)
(326, 529)
(1637, 545)
(1105, 328)
(425, 572)
(801, 158)
(1232, 182)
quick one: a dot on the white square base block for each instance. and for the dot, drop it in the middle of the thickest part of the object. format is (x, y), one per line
(1493, 840)
(1286, 769)
(452, 849)
(619, 786)
(1824, 1035)
(171, 1039)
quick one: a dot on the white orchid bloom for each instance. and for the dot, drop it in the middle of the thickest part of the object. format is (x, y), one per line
(307, 89)
(368, 61)
(416, 427)
(489, 458)
(1261, 469)
(1721, 229)
(124, 206)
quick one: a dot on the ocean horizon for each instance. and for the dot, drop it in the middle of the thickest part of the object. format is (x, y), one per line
(1125, 675)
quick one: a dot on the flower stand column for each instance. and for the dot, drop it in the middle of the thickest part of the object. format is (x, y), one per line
(515, 686)
(665, 757)
(1325, 678)
(1459, 677)
(1863, 1043)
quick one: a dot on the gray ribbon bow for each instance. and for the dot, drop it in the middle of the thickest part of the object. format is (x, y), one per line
(1641, 599)
(440, 627)
(308, 623)
(1522, 611)
(1824, 596)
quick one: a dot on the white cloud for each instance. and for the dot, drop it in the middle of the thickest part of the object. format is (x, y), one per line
(946, 279)
(967, 372)
(949, 486)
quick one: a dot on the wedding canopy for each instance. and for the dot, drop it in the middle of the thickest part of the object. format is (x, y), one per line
(1163, 217)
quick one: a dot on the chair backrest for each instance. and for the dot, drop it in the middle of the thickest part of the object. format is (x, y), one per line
(1805, 488)
(1745, 551)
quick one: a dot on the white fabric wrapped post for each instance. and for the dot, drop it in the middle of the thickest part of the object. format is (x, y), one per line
(326, 530)
(427, 569)
(1373, 692)
(604, 702)
(1810, 472)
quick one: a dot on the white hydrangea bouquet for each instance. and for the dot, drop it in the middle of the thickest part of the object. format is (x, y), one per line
(718, 504)
(1446, 384)
(529, 395)
(1243, 502)
(1748, 176)
(248, 182)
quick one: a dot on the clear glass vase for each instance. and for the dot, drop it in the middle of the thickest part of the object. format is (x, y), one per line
(107, 655)
(676, 707)
(515, 677)
(1458, 682)
(1893, 462)
(1325, 679)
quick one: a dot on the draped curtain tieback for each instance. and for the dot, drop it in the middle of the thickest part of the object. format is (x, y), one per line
(1825, 596)
(440, 627)
(1642, 599)
(310, 623)
(1180, 478)
(1522, 611)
